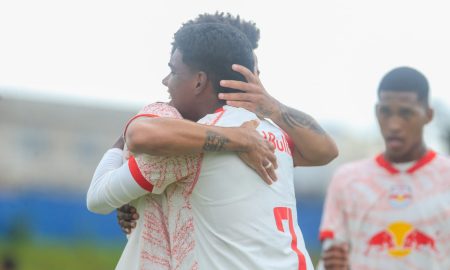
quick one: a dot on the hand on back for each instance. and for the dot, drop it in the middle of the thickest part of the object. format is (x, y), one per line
(261, 155)
(336, 258)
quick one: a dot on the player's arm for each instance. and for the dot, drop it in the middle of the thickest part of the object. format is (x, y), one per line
(115, 184)
(127, 215)
(334, 224)
(164, 136)
(112, 184)
(335, 257)
(313, 146)
(168, 136)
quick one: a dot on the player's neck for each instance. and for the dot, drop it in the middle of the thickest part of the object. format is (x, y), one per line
(415, 154)
(208, 106)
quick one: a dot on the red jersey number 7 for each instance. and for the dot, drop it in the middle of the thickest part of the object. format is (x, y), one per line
(285, 213)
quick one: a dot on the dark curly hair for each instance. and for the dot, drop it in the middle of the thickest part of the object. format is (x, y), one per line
(406, 79)
(213, 48)
(247, 27)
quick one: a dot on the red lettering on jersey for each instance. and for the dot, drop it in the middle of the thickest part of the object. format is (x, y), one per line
(264, 135)
(281, 145)
(272, 139)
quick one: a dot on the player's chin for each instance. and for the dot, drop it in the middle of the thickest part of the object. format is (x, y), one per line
(395, 154)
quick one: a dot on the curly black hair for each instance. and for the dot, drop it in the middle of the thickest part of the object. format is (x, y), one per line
(406, 79)
(247, 27)
(213, 48)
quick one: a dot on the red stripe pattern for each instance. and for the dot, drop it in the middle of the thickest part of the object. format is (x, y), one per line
(137, 175)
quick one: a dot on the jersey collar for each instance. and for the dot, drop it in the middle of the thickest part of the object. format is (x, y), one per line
(425, 159)
(218, 110)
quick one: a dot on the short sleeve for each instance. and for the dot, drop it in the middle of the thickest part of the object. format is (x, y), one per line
(158, 109)
(155, 173)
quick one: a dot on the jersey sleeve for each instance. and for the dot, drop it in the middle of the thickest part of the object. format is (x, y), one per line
(334, 220)
(155, 173)
(112, 184)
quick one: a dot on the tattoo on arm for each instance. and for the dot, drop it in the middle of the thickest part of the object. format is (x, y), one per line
(215, 142)
(264, 112)
(295, 118)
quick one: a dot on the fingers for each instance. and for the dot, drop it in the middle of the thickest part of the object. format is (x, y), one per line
(127, 226)
(271, 173)
(237, 96)
(271, 164)
(267, 171)
(264, 175)
(127, 216)
(248, 74)
(271, 157)
(127, 208)
(335, 258)
(253, 124)
(335, 264)
(238, 85)
(271, 146)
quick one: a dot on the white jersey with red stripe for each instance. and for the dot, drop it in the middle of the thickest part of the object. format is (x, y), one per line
(151, 245)
(206, 211)
(227, 217)
(391, 219)
(240, 221)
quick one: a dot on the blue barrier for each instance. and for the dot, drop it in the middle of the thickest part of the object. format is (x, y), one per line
(63, 216)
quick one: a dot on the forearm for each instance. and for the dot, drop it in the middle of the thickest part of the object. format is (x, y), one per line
(112, 184)
(167, 136)
(313, 145)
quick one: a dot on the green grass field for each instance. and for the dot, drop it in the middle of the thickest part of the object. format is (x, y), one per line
(68, 256)
(52, 255)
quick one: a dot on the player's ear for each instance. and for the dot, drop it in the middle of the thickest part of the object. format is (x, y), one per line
(201, 81)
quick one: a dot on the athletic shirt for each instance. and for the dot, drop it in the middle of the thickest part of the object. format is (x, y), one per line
(391, 219)
(240, 221)
(206, 211)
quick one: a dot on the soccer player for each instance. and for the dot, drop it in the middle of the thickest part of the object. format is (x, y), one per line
(220, 216)
(317, 147)
(392, 211)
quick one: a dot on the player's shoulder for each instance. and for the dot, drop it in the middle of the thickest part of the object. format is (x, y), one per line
(160, 109)
(442, 161)
(157, 109)
(238, 112)
(229, 116)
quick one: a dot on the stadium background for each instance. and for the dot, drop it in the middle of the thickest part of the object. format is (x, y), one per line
(49, 152)
(72, 72)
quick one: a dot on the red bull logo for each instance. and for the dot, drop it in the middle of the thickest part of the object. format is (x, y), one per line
(400, 239)
(400, 196)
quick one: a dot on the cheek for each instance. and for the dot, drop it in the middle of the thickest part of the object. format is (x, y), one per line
(414, 131)
(173, 85)
(382, 125)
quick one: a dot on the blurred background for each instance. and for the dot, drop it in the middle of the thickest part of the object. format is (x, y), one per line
(73, 72)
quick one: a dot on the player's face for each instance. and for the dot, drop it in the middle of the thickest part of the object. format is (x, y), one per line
(401, 117)
(181, 82)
